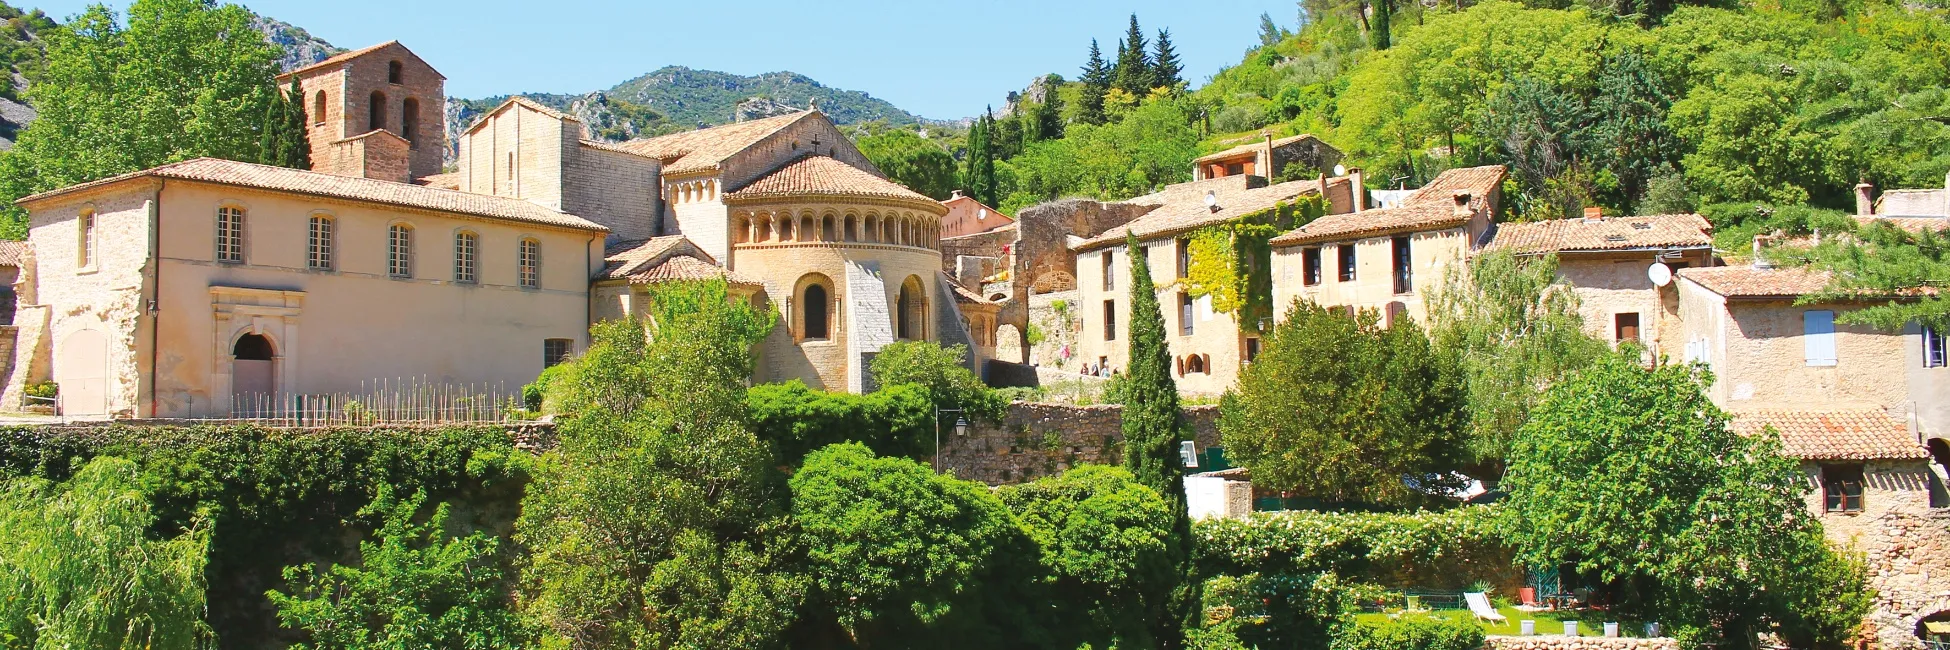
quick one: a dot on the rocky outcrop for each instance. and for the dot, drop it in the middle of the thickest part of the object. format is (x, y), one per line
(300, 47)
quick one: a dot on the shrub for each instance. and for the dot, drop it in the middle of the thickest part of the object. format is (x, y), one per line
(45, 389)
(1412, 632)
(896, 420)
(939, 370)
(1448, 549)
(1285, 610)
(1106, 549)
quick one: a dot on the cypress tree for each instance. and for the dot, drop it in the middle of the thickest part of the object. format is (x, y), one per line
(297, 140)
(1378, 31)
(281, 137)
(981, 158)
(1096, 80)
(1152, 434)
(1134, 63)
(1166, 67)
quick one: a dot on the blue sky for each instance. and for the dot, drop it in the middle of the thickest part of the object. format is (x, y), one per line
(939, 60)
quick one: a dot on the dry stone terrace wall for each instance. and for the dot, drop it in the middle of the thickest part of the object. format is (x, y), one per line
(1560, 642)
(1037, 440)
(1908, 555)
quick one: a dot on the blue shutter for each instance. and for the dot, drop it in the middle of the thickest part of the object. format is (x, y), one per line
(1818, 337)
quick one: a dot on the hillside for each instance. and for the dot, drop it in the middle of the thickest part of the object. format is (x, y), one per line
(300, 47)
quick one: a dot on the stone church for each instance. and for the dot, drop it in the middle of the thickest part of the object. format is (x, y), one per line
(199, 288)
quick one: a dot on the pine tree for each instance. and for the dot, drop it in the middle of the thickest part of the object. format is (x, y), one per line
(1096, 80)
(1152, 434)
(1269, 31)
(1378, 31)
(1166, 68)
(1133, 73)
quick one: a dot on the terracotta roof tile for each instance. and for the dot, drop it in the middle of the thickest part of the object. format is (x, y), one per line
(1911, 224)
(1181, 207)
(298, 181)
(518, 100)
(1611, 233)
(1253, 146)
(963, 295)
(12, 252)
(622, 259)
(1842, 434)
(1430, 208)
(350, 55)
(446, 181)
(1752, 282)
(811, 175)
(705, 149)
(686, 267)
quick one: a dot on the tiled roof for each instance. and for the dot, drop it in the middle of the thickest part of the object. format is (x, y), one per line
(1842, 434)
(347, 56)
(687, 267)
(446, 181)
(622, 259)
(1612, 233)
(1252, 147)
(1431, 208)
(1181, 207)
(963, 295)
(11, 252)
(1911, 224)
(608, 146)
(811, 175)
(525, 102)
(1752, 282)
(705, 148)
(298, 181)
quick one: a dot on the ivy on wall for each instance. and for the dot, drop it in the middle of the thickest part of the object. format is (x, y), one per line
(1231, 261)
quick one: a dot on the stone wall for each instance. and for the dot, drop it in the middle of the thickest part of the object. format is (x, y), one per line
(1037, 440)
(344, 93)
(1908, 554)
(1561, 642)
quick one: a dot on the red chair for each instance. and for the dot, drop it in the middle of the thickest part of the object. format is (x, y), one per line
(1528, 596)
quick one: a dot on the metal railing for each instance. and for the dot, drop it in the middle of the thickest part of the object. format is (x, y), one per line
(384, 401)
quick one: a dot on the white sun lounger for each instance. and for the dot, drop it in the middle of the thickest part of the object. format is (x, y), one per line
(1479, 604)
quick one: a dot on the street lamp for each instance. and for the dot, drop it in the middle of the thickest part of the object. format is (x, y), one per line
(961, 429)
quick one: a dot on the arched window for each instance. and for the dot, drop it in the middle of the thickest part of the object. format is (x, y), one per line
(318, 243)
(467, 258)
(531, 263)
(230, 235)
(409, 122)
(910, 319)
(392, 72)
(376, 111)
(84, 255)
(252, 347)
(852, 232)
(399, 250)
(318, 108)
(814, 308)
(785, 228)
(826, 229)
(1195, 364)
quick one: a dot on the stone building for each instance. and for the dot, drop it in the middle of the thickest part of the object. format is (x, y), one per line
(180, 291)
(967, 216)
(1388, 260)
(1608, 262)
(1290, 157)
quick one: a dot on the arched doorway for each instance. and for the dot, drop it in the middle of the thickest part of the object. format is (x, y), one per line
(910, 323)
(1934, 630)
(81, 370)
(251, 381)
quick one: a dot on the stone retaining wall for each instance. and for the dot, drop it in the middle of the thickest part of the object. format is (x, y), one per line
(1560, 642)
(1036, 440)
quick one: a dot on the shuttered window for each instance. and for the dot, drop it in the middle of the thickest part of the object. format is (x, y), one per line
(1818, 337)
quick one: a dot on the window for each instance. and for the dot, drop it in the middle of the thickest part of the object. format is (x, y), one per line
(230, 235)
(531, 264)
(814, 307)
(1841, 487)
(1184, 257)
(318, 109)
(1195, 365)
(318, 244)
(1252, 349)
(1346, 255)
(376, 111)
(1933, 350)
(1310, 267)
(467, 248)
(1110, 279)
(1625, 327)
(409, 122)
(1404, 266)
(399, 250)
(392, 72)
(1110, 320)
(556, 351)
(1184, 313)
(1235, 169)
(84, 255)
(1818, 337)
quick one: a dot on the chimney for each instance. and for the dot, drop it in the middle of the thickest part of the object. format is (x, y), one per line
(1865, 204)
(1356, 183)
(1267, 170)
(956, 195)
(1462, 205)
(1760, 242)
(1594, 214)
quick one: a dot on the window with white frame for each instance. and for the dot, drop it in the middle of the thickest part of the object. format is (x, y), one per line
(318, 243)
(230, 235)
(399, 250)
(1933, 348)
(531, 264)
(466, 264)
(85, 240)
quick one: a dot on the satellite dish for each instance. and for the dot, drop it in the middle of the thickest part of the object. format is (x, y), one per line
(1340, 170)
(1659, 273)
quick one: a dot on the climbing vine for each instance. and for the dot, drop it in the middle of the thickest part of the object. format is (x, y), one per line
(1231, 261)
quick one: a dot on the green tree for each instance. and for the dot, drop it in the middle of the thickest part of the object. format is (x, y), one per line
(80, 570)
(1152, 434)
(416, 586)
(1883, 267)
(1166, 70)
(654, 522)
(911, 160)
(1341, 409)
(1378, 29)
(1270, 33)
(980, 175)
(901, 555)
(1133, 73)
(941, 372)
(1107, 547)
(1720, 545)
(285, 141)
(1096, 81)
(896, 420)
(183, 78)
(1514, 331)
